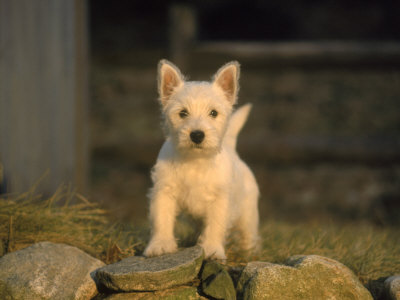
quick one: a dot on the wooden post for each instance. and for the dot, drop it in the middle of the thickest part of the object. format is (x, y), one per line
(182, 33)
(43, 94)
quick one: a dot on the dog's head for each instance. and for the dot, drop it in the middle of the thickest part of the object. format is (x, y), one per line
(196, 113)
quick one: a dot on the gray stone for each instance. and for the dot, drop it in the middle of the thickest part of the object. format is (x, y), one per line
(150, 274)
(392, 287)
(216, 281)
(48, 271)
(304, 277)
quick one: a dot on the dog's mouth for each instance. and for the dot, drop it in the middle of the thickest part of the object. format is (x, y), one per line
(196, 146)
(200, 150)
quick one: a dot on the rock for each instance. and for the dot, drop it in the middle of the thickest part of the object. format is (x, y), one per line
(48, 271)
(179, 293)
(155, 273)
(303, 277)
(216, 281)
(392, 287)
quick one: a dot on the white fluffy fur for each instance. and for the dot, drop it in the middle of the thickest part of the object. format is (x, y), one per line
(208, 180)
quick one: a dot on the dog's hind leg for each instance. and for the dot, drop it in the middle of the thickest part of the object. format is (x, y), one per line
(248, 224)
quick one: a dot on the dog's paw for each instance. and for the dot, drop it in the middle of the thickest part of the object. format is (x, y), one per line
(158, 247)
(214, 251)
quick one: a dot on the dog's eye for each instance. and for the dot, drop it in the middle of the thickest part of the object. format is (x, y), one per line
(213, 113)
(183, 113)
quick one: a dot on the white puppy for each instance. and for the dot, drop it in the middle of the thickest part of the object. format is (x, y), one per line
(198, 169)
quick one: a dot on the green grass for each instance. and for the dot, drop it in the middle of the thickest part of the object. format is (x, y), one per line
(371, 252)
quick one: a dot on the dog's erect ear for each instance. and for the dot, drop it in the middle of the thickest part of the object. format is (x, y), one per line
(227, 78)
(169, 79)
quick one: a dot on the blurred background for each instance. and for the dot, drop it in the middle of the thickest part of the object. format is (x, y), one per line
(78, 98)
(323, 138)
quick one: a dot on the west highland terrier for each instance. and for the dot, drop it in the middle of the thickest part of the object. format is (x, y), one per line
(198, 169)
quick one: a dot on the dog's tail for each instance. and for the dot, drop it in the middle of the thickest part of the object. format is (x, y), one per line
(236, 122)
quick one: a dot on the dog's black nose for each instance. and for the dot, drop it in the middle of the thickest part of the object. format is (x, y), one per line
(197, 136)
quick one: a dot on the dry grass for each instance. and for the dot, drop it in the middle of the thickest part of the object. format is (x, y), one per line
(66, 217)
(369, 251)
(372, 253)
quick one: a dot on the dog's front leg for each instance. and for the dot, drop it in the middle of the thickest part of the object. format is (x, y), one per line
(162, 216)
(213, 237)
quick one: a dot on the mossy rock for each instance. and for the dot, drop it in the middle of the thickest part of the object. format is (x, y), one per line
(303, 277)
(138, 273)
(178, 293)
(216, 281)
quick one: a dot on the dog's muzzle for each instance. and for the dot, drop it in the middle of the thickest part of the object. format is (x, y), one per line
(197, 136)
